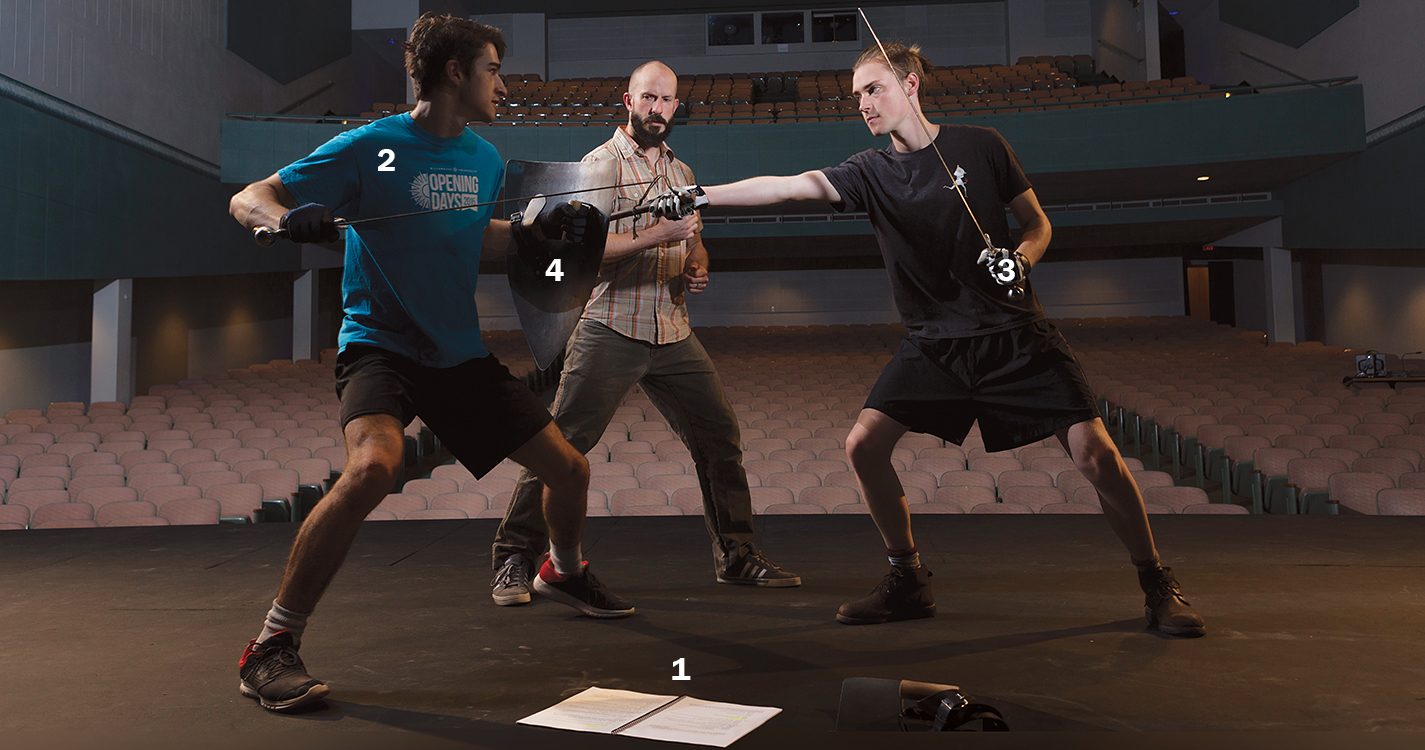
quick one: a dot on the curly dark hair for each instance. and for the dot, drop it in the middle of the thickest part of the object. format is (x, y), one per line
(437, 38)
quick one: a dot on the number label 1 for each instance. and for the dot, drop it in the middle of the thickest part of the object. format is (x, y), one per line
(680, 663)
(557, 273)
(390, 156)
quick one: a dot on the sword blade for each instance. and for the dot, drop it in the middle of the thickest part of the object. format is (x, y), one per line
(989, 245)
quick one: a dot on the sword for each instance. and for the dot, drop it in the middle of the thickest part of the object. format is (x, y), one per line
(1016, 291)
(265, 236)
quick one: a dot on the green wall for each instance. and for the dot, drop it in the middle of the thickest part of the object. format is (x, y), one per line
(78, 205)
(1293, 123)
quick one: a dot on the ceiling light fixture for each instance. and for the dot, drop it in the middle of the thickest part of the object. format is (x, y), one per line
(1203, 178)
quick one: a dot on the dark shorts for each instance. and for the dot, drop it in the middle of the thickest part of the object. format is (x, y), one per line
(1022, 385)
(477, 409)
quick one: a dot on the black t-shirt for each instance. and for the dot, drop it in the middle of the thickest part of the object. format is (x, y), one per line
(928, 240)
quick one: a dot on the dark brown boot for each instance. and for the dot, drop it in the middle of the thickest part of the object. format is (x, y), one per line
(904, 594)
(1166, 609)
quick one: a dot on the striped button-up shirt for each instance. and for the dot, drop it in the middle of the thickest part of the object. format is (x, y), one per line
(641, 296)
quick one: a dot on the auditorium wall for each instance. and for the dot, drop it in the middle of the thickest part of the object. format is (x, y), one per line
(993, 33)
(159, 68)
(1377, 41)
(1375, 307)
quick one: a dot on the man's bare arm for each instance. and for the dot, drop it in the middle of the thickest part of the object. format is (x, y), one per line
(767, 191)
(261, 204)
(1035, 240)
(621, 245)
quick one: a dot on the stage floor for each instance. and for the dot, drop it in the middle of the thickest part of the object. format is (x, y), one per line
(1316, 624)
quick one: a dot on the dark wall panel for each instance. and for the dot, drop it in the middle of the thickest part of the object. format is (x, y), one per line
(1291, 22)
(1369, 201)
(287, 40)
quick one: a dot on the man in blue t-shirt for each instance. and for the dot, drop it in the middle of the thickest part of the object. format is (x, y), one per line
(410, 338)
(980, 347)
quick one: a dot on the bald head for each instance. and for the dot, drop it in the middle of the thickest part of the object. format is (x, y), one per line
(649, 74)
(651, 100)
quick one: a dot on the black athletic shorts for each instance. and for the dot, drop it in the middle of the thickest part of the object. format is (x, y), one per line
(478, 409)
(1022, 385)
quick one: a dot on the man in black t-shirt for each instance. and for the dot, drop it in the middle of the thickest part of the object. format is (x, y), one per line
(980, 345)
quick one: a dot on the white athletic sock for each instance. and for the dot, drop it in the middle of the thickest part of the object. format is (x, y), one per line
(279, 619)
(904, 558)
(567, 562)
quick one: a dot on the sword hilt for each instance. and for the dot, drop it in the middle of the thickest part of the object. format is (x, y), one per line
(631, 212)
(266, 236)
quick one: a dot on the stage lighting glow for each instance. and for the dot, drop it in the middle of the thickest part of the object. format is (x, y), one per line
(1203, 178)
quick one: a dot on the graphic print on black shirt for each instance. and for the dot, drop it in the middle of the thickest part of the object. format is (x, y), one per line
(929, 241)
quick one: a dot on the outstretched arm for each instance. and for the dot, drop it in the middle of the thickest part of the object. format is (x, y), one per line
(766, 191)
(261, 204)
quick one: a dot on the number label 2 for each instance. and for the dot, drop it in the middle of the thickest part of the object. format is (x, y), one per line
(390, 156)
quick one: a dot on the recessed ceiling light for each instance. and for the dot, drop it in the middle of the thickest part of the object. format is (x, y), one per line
(1203, 178)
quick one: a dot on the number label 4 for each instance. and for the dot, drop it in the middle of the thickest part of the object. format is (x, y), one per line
(555, 271)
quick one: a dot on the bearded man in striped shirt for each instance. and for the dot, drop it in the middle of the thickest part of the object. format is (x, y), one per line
(635, 329)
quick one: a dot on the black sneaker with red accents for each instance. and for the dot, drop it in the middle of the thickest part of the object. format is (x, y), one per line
(273, 673)
(1166, 609)
(582, 591)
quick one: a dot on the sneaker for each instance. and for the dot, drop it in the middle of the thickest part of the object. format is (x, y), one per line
(1166, 609)
(904, 594)
(756, 570)
(272, 672)
(511, 583)
(582, 591)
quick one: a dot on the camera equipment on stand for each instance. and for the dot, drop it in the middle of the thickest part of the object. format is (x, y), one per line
(1370, 365)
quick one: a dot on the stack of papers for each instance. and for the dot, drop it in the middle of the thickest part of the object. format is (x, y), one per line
(669, 718)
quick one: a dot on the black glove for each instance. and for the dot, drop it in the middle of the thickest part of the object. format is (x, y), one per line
(679, 202)
(574, 222)
(310, 223)
(1007, 267)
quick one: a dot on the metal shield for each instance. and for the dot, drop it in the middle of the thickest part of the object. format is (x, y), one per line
(550, 301)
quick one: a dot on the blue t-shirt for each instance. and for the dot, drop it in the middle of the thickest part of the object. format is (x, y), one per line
(409, 283)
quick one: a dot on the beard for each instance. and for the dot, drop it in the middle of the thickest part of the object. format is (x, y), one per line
(646, 137)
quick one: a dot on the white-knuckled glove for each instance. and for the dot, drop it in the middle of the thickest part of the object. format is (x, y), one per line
(679, 202)
(1007, 267)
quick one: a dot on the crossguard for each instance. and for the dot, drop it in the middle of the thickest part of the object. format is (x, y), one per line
(679, 202)
(265, 236)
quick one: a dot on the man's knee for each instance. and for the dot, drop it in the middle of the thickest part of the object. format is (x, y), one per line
(371, 475)
(1097, 458)
(864, 449)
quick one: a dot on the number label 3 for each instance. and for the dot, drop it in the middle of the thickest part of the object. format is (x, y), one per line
(556, 272)
(390, 156)
(680, 664)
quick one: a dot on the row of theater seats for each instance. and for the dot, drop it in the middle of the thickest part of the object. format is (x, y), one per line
(1201, 404)
(1274, 426)
(258, 441)
(1033, 84)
